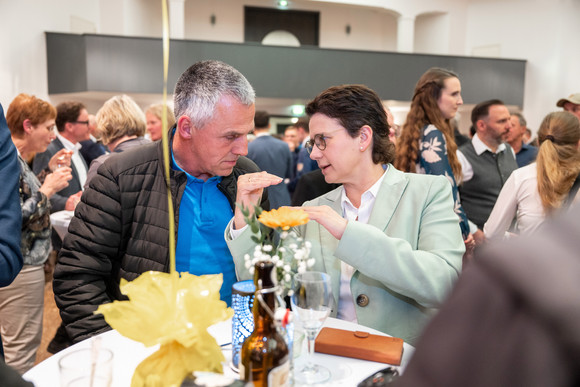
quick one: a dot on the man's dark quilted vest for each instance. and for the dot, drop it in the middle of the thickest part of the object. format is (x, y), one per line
(490, 172)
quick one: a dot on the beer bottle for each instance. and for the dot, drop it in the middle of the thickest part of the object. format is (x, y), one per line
(265, 360)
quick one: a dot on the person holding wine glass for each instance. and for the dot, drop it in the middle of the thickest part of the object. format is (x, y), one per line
(31, 122)
(389, 240)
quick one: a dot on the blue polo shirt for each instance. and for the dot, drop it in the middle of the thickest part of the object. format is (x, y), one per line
(526, 155)
(204, 213)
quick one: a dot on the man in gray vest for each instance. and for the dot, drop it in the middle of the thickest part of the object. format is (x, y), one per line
(486, 161)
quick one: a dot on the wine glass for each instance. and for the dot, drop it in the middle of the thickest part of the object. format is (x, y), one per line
(312, 302)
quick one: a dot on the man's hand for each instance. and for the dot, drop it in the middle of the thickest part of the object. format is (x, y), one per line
(72, 201)
(479, 237)
(250, 189)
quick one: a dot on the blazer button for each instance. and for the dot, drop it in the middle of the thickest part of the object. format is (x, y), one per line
(362, 300)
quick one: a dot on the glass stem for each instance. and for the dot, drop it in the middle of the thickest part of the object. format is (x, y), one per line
(311, 336)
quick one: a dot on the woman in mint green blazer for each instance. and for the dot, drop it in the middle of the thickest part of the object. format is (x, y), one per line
(390, 241)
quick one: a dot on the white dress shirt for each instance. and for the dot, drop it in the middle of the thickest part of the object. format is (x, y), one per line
(346, 308)
(76, 158)
(467, 169)
(480, 147)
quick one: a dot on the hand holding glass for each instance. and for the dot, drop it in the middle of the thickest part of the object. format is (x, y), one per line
(312, 302)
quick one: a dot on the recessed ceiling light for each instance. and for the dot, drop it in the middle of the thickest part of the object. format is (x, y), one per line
(297, 110)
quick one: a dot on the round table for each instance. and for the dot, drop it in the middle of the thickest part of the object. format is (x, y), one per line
(128, 354)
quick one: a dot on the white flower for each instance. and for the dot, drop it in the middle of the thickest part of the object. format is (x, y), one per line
(267, 248)
(251, 270)
(311, 262)
(287, 268)
(287, 278)
(248, 264)
(308, 244)
(282, 249)
(284, 234)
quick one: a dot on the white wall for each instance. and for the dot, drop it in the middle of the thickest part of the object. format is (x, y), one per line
(23, 59)
(540, 31)
(432, 33)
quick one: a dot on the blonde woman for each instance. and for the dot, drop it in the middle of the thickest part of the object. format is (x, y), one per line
(535, 191)
(154, 124)
(120, 125)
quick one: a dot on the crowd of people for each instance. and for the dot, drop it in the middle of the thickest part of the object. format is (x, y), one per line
(396, 213)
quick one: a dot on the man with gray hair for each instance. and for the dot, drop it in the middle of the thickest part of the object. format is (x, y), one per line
(525, 154)
(121, 226)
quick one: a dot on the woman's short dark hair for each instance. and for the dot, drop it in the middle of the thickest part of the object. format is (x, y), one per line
(355, 106)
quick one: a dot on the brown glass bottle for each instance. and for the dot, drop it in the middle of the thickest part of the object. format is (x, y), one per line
(264, 356)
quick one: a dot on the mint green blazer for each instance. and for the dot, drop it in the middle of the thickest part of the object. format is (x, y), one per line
(406, 258)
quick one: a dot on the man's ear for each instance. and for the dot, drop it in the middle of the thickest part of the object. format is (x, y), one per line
(185, 127)
(480, 125)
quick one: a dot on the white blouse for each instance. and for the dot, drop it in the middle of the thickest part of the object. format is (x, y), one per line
(519, 198)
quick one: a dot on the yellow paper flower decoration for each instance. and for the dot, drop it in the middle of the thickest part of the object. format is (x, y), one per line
(175, 312)
(283, 218)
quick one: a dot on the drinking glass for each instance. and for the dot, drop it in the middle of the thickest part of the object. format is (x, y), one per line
(84, 366)
(312, 302)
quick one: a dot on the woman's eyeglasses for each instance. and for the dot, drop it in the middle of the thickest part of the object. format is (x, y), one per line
(319, 140)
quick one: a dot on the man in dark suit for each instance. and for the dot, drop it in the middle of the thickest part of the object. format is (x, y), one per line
(273, 156)
(91, 147)
(72, 122)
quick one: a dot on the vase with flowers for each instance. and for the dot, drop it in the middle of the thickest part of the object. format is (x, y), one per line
(277, 242)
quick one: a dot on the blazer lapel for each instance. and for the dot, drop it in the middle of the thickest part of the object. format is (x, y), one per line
(388, 197)
(330, 243)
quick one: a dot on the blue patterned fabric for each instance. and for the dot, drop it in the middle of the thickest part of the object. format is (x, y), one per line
(432, 160)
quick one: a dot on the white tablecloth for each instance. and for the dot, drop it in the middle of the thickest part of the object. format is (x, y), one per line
(60, 221)
(128, 354)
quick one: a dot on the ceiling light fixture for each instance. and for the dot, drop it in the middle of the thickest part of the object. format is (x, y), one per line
(282, 3)
(297, 110)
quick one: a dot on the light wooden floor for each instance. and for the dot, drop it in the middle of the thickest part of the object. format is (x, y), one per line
(50, 320)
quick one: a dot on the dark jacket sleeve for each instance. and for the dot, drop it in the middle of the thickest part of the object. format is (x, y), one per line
(85, 265)
(10, 213)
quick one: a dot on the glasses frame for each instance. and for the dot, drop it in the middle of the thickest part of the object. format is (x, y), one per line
(319, 140)
(81, 122)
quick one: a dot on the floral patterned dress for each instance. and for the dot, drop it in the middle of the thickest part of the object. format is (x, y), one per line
(433, 160)
(35, 241)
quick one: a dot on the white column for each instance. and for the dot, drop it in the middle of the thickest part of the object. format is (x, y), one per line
(177, 19)
(405, 33)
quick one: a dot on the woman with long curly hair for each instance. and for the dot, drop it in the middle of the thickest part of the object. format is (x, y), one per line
(537, 190)
(427, 144)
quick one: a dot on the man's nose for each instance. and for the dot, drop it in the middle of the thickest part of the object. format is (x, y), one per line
(241, 146)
